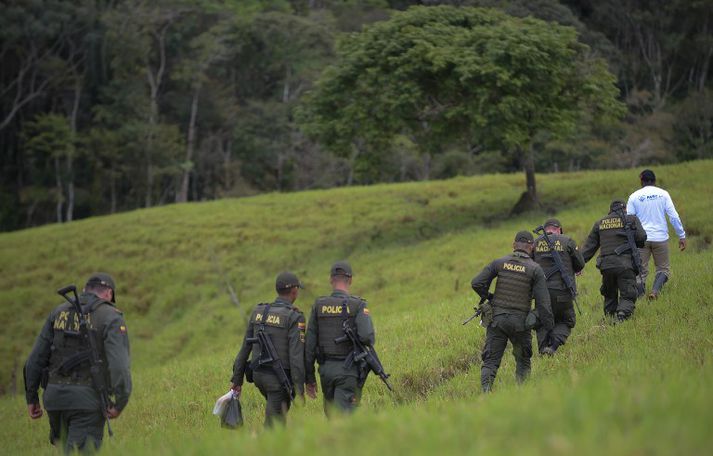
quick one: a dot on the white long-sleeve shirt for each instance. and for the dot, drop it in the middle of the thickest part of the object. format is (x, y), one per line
(651, 205)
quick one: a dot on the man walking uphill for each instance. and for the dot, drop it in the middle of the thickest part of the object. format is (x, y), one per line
(341, 381)
(275, 336)
(60, 363)
(651, 205)
(616, 261)
(561, 298)
(519, 278)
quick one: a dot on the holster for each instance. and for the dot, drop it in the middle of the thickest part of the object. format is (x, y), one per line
(486, 314)
(45, 378)
(532, 321)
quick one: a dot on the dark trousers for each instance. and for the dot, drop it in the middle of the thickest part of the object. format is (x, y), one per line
(503, 328)
(278, 400)
(565, 320)
(81, 430)
(340, 386)
(619, 291)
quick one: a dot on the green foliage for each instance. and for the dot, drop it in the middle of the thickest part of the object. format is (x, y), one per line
(693, 128)
(445, 76)
(641, 387)
(182, 94)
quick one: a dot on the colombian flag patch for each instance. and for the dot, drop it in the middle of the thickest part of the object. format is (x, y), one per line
(122, 329)
(301, 326)
(366, 311)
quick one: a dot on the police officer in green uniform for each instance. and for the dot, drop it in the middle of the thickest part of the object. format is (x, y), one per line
(618, 277)
(560, 297)
(341, 384)
(72, 404)
(285, 325)
(519, 279)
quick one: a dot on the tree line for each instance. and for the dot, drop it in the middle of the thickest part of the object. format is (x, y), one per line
(113, 105)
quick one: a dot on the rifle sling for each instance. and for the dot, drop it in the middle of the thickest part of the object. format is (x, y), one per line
(75, 360)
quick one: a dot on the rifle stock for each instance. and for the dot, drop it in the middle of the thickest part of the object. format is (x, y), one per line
(362, 354)
(635, 254)
(559, 266)
(96, 369)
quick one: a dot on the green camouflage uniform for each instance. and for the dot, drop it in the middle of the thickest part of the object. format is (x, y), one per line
(560, 297)
(519, 278)
(73, 405)
(341, 386)
(618, 277)
(285, 325)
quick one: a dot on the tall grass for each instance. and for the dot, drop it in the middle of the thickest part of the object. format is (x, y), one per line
(641, 387)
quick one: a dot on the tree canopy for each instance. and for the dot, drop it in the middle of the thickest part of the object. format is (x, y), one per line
(111, 106)
(459, 77)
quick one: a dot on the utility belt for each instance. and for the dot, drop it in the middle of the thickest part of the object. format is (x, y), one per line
(334, 357)
(498, 310)
(269, 370)
(55, 379)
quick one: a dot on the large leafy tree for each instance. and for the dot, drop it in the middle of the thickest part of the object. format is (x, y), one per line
(471, 77)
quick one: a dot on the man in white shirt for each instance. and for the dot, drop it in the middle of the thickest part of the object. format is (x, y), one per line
(651, 205)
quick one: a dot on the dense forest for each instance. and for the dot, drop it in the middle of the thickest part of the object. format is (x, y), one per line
(114, 105)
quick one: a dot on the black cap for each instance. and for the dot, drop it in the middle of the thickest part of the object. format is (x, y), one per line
(103, 279)
(286, 280)
(647, 176)
(341, 268)
(524, 236)
(616, 205)
(553, 222)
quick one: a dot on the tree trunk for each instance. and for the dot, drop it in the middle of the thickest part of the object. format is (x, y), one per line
(70, 154)
(528, 200)
(426, 166)
(112, 188)
(58, 177)
(155, 80)
(530, 175)
(227, 148)
(182, 195)
(286, 86)
(356, 151)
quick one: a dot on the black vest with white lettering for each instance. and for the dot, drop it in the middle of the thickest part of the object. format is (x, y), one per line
(69, 359)
(276, 326)
(611, 234)
(543, 257)
(330, 319)
(513, 290)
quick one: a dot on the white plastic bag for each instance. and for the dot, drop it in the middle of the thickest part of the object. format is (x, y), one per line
(222, 403)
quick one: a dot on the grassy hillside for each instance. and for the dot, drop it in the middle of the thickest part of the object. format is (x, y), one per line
(641, 387)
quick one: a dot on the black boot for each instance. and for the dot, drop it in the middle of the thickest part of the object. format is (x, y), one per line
(659, 281)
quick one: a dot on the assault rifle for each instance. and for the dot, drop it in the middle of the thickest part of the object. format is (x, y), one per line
(559, 267)
(478, 310)
(364, 355)
(635, 254)
(269, 356)
(96, 364)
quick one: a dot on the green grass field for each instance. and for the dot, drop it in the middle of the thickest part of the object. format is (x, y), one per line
(639, 388)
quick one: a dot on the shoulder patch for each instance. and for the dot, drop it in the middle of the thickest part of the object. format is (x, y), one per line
(366, 311)
(122, 329)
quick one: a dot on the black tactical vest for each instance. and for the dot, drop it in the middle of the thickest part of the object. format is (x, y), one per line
(331, 312)
(70, 357)
(611, 234)
(276, 326)
(513, 289)
(543, 257)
